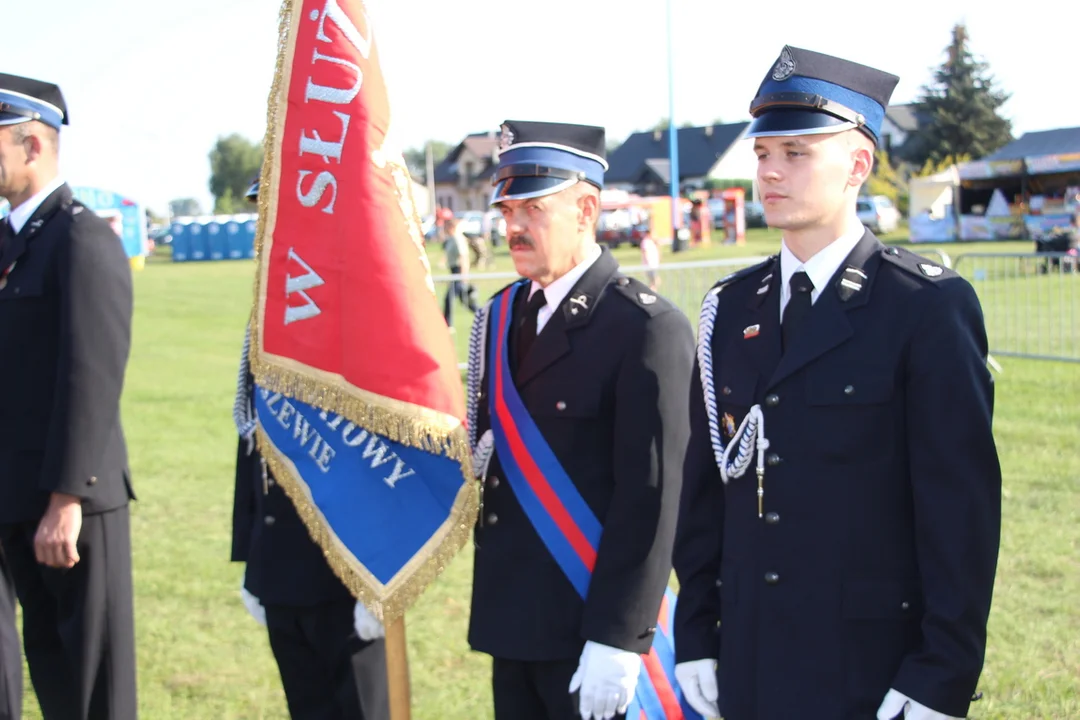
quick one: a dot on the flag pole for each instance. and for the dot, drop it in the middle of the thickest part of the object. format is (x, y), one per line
(397, 670)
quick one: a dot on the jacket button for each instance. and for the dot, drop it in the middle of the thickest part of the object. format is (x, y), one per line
(493, 482)
(773, 459)
(492, 518)
(560, 405)
(849, 390)
(772, 400)
(772, 518)
(649, 632)
(719, 582)
(772, 578)
(726, 390)
(91, 481)
(905, 605)
(269, 519)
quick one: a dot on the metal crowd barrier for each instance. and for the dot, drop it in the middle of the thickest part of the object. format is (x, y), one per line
(1031, 302)
(683, 283)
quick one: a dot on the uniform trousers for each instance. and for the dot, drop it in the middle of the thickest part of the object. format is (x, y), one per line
(535, 690)
(327, 671)
(78, 623)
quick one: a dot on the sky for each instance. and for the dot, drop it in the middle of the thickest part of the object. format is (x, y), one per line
(151, 85)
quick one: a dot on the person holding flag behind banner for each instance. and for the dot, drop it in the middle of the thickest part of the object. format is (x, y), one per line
(840, 520)
(329, 649)
(578, 418)
(358, 402)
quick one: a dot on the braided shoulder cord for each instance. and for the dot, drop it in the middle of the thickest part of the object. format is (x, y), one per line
(243, 409)
(475, 374)
(751, 432)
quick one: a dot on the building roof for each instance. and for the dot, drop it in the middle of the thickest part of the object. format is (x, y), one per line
(482, 145)
(903, 117)
(699, 150)
(1042, 142)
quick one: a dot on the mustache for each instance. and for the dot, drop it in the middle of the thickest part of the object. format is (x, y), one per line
(521, 241)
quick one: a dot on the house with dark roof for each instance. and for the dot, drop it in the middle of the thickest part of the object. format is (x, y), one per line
(899, 131)
(463, 178)
(713, 152)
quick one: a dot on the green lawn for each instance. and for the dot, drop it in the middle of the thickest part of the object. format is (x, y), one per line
(201, 657)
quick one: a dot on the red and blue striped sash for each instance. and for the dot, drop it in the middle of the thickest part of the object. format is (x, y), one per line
(564, 521)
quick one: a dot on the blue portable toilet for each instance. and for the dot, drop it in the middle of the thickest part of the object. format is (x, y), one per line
(216, 241)
(197, 232)
(232, 238)
(181, 241)
(249, 236)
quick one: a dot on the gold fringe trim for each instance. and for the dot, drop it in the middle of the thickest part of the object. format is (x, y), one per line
(386, 602)
(397, 421)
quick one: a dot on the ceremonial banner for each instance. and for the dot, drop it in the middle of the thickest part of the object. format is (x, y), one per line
(360, 404)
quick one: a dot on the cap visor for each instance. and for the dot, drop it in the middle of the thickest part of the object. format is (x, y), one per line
(523, 188)
(12, 119)
(782, 122)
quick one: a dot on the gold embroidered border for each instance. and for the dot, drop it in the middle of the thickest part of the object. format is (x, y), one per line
(386, 602)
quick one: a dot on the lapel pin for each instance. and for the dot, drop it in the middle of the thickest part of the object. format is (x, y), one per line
(751, 331)
(729, 426)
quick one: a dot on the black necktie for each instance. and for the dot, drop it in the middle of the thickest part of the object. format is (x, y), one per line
(797, 307)
(6, 233)
(527, 331)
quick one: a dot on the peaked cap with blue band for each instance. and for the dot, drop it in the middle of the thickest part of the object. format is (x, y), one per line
(541, 158)
(808, 93)
(24, 99)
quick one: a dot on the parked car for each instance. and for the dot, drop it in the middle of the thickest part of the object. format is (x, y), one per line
(878, 214)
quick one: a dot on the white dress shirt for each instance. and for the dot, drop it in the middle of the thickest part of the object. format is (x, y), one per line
(557, 291)
(20, 215)
(821, 267)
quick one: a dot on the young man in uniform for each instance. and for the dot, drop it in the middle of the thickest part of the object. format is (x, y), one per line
(65, 327)
(577, 380)
(329, 649)
(840, 516)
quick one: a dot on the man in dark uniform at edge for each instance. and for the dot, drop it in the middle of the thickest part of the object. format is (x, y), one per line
(10, 650)
(601, 364)
(65, 323)
(857, 585)
(329, 649)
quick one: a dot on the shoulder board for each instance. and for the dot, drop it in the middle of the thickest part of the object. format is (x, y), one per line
(641, 295)
(916, 264)
(744, 273)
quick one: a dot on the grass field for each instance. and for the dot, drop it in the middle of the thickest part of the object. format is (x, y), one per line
(201, 657)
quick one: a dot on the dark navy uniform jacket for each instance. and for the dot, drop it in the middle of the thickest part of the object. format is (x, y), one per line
(605, 382)
(66, 304)
(873, 564)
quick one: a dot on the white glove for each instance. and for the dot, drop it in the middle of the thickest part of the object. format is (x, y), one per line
(697, 678)
(367, 626)
(607, 678)
(253, 605)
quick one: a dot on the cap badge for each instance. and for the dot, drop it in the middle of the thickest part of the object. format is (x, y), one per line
(506, 137)
(785, 66)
